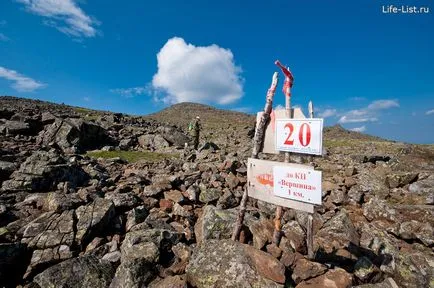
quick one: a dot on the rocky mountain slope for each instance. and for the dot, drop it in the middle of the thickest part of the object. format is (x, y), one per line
(97, 199)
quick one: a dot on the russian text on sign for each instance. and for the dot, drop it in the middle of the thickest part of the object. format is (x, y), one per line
(261, 182)
(297, 183)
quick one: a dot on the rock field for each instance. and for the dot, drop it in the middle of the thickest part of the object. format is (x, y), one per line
(99, 199)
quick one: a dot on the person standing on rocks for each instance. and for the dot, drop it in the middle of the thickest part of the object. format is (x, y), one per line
(194, 127)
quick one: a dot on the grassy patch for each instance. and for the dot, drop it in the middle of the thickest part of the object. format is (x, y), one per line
(132, 156)
(82, 110)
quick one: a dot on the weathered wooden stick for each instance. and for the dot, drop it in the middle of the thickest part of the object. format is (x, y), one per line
(309, 236)
(260, 129)
(309, 227)
(277, 235)
(257, 147)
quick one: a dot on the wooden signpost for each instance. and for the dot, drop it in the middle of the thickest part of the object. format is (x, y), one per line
(284, 184)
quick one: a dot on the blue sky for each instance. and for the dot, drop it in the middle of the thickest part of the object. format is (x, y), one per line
(363, 68)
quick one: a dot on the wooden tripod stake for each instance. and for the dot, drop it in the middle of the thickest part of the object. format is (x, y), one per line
(287, 91)
(257, 147)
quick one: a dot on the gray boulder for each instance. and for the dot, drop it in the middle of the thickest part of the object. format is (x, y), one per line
(208, 195)
(84, 271)
(400, 179)
(73, 135)
(123, 200)
(152, 141)
(215, 223)
(136, 268)
(42, 171)
(232, 264)
(173, 136)
(337, 233)
(58, 202)
(379, 209)
(140, 252)
(424, 186)
(126, 144)
(136, 216)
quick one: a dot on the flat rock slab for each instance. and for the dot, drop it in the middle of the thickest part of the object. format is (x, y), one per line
(42, 171)
(227, 263)
(85, 271)
(92, 219)
(51, 235)
(217, 223)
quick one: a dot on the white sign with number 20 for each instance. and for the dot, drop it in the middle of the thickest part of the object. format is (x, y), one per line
(299, 135)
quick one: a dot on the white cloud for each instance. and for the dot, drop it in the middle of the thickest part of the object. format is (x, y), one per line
(368, 114)
(327, 113)
(87, 99)
(242, 109)
(197, 74)
(359, 129)
(64, 15)
(383, 104)
(429, 112)
(130, 92)
(348, 119)
(3, 37)
(21, 82)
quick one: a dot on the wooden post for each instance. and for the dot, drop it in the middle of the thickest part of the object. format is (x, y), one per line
(311, 115)
(257, 147)
(277, 235)
(309, 227)
(309, 236)
(310, 108)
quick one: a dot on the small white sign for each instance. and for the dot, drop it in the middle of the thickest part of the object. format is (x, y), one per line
(299, 135)
(260, 184)
(299, 184)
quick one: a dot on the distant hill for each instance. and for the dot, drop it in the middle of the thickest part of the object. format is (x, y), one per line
(214, 121)
(338, 132)
(182, 113)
